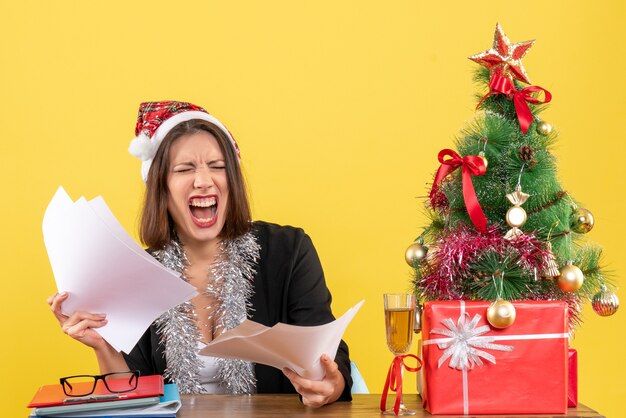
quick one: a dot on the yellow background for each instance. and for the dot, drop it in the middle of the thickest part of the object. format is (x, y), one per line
(340, 108)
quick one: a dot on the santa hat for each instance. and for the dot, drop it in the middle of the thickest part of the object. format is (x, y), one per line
(156, 119)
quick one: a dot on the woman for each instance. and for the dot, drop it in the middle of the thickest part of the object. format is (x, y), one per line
(196, 220)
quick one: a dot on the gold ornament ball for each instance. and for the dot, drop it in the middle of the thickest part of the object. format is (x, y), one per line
(544, 128)
(570, 279)
(582, 221)
(605, 303)
(415, 254)
(501, 314)
(481, 155)
(516, 216)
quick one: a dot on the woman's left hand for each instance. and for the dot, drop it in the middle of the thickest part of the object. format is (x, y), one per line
(316, 393)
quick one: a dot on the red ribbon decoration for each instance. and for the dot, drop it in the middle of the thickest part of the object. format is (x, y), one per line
(394, 380)
(503, 85)
(472, 165)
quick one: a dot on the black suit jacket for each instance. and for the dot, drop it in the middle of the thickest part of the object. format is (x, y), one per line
(289, 287)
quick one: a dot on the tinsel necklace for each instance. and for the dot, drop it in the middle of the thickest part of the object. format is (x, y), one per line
(231, 286)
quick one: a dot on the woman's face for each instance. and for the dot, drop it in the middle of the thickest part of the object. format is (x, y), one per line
(198, 188)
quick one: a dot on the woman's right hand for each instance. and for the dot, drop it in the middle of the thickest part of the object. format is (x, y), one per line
(80, 325)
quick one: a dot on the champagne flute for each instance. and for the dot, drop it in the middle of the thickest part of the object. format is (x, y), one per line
(399, 318)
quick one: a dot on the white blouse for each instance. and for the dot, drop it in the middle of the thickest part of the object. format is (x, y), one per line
(208, 373)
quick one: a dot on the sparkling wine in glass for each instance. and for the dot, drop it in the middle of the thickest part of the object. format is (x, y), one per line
(399, 318)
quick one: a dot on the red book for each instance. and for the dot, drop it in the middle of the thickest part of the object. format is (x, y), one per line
(52, 395)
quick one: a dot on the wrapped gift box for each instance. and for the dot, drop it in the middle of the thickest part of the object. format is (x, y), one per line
(528, 374)
(572, 378)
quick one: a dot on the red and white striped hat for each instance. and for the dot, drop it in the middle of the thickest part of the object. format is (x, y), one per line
(156, 119)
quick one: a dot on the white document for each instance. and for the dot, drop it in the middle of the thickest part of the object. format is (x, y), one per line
(296, 347)
(105, 271)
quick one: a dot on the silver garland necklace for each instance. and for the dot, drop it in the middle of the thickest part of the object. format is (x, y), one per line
(231, 286)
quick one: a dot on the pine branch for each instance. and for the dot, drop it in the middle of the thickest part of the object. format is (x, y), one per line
(492, 267)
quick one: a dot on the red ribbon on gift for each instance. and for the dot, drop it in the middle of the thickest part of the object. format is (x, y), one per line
(504, 85)
(472, 165)
(394, 380)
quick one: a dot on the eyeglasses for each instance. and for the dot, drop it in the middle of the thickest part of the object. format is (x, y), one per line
(84, 384)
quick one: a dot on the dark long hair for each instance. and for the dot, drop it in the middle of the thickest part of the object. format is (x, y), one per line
(157, 227)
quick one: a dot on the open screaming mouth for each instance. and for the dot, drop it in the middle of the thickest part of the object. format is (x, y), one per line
(203, 209)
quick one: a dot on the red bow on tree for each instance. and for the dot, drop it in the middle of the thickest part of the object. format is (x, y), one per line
(394, 380)
(472, 165)
(503, 85)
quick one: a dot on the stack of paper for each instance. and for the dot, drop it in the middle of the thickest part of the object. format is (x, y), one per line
(105, 271)
(165, 406)
(296, 347)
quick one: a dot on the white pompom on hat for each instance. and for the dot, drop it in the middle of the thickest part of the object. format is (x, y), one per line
(156, 119)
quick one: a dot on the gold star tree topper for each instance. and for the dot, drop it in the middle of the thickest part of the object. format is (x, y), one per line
(505, 58)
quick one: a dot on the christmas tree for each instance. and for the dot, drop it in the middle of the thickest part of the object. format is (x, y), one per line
(502, 226)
